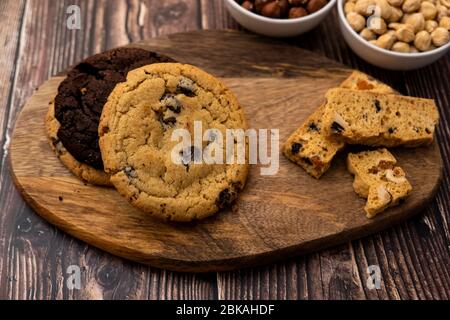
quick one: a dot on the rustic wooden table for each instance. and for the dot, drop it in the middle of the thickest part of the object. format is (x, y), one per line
(34, 256)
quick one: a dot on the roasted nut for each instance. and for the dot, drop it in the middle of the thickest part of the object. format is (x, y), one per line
(386, 40)
(430, 25)
(422, 41)
(445, 23)
(365, 7)
(339, 124)
(396, 14)
(417, 21)
(367, 34)
(248, 5)
(440, 36)
(400, 47)
(395, 3)
(315, 5)
(411, 6)
(442, 11)
(395, 25)
(395, 176)
(259, 4)
(405, 17)
(377, 25)
(445, 3)
(284, 5)
(272, 10)
(384, 8)
(405, 33)
(356, 21)
(297, 12)
(384, 197)
(349, 7)
(428, 10)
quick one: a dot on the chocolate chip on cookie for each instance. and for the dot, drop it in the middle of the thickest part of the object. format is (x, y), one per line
(186, 86)
(169, 180)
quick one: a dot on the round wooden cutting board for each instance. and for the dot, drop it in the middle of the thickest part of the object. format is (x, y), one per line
(275, 217)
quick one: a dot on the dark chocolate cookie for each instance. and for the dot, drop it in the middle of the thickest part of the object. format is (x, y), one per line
(83, 93)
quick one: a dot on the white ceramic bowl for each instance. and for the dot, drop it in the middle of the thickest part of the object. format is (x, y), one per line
(276, 27)
(381, 57)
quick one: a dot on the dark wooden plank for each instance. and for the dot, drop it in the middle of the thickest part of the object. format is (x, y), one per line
(35, 255)
(413, 257)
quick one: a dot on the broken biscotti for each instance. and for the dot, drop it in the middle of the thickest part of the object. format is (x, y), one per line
(376, 119)
(309, 146)
(378, 179)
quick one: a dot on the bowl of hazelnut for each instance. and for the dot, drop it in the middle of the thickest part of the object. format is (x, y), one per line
(279, 18)
(396, 34)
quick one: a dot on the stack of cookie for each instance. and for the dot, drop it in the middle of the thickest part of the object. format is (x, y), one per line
(112, 121)
(366, 112)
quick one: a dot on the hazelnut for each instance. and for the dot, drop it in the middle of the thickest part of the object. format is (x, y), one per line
(315, 5)
(272, 10)
(297, 12)
(376, 25)
(440, 36)
(395, 25)
(248, 5)
(339, 124)
(428, 10)
(400, 47)
(385, 10)
(445, 23)
(386, 40)
(445, 3)
(395, 176)
(422, 41)
(417, 21)
(413, 49)
(405, 33)
(410, 5)
(284, 5)
(384, 197)
(395, 3)
(356, 21)
(442, 11)
(349, 7)
(405, 17)
(365, 7)
(430, 25)
(259, 4)
(396, 14)
(367, 34)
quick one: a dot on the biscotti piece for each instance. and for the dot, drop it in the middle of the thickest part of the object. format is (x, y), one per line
(361, 81)
(376, 119)
(309, 146)
(378, 179)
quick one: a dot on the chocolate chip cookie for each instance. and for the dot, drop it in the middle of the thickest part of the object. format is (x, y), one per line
(156, 172)
(79, 103)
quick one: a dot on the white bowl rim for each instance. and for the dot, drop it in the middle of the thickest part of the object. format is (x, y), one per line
(342, 17)
(259, 17)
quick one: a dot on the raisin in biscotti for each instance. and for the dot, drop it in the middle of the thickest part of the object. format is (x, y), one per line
(378, 179)
(309, 146)
(376, 119)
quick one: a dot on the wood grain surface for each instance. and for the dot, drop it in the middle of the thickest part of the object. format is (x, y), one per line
(413, 257)
(276, 216)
